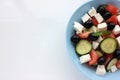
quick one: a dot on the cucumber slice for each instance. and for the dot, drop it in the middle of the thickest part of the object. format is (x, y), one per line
(108, 45)
(99, 53)
(111, 63)
(83, 47)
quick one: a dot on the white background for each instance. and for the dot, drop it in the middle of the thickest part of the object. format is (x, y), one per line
(32, 40)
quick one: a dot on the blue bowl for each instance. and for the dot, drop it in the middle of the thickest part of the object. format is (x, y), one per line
(86, 70)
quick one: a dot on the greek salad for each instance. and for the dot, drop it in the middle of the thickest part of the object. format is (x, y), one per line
(97, 38)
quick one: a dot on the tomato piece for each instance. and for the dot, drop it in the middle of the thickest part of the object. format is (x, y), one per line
(117, 35)
(95, 22)
(113, 19)
(84, 35)
(110, 35)
(108, 58)
(94, 57)
(112, 9)
(118, 64)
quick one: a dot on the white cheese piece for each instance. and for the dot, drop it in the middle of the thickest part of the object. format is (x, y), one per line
(116, 30)
(78, 27)
(78, 32)
(101, 70)
(113, 68)
(99, 18)
(118, 39)
(118, 17)
(85, 18)
(85, 58)
(92, 12)
(102, 26)
(95, 44)
(99, 39)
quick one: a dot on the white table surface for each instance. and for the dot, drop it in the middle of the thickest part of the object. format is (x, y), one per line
(32, 40)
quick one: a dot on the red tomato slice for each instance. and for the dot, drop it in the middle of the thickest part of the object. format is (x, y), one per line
(108, 58)
(94, 57)
(112, 9)
(84, 35)
(95, 22)
(117, 35)
(118, 64)
(110, 35)
(113, 19)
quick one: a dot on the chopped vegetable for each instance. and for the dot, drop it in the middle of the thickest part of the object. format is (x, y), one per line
(95, 22)
(83, 47)
(111, 63)
(94, 57)
(113, 19)
(84, 35)
(108, 58)
(99, 53)
(102, 33)
(112, 9)
(108, 45)
(118, 64)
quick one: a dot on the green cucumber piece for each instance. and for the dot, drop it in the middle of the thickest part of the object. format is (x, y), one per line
(108, 45)
(111, 63)
(99, 53)
(83, 47)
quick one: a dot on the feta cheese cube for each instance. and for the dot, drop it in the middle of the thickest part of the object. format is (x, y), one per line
(85, 18)
(102, 26)
(78, 32)
(85, 58)
(92, 12)
(113, 68)
(100, 70)
(99, 39)
(78, 27)
(95, 44)
(99, 18)
(118, 17)
(118, 39)
(116, 30)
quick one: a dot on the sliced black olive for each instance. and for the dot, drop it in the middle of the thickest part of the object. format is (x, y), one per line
(107, 15)
(110, 26)
(92, 37)
(101, 9)
(88, 24)
(117, 53)
(101, 60)
(75, 39)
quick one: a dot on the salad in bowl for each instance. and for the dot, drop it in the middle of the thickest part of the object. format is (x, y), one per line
(96, 38)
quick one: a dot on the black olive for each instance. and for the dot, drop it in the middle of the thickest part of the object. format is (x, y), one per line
(101, 60)
(107, 15)
(117, 53)
(75, 39)
(88, 24)
(110, 26)
(101, 9)
(92, 37)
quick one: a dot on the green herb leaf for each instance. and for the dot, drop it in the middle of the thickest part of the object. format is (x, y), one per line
(102, 33)
(106, 32)
(97, 34)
